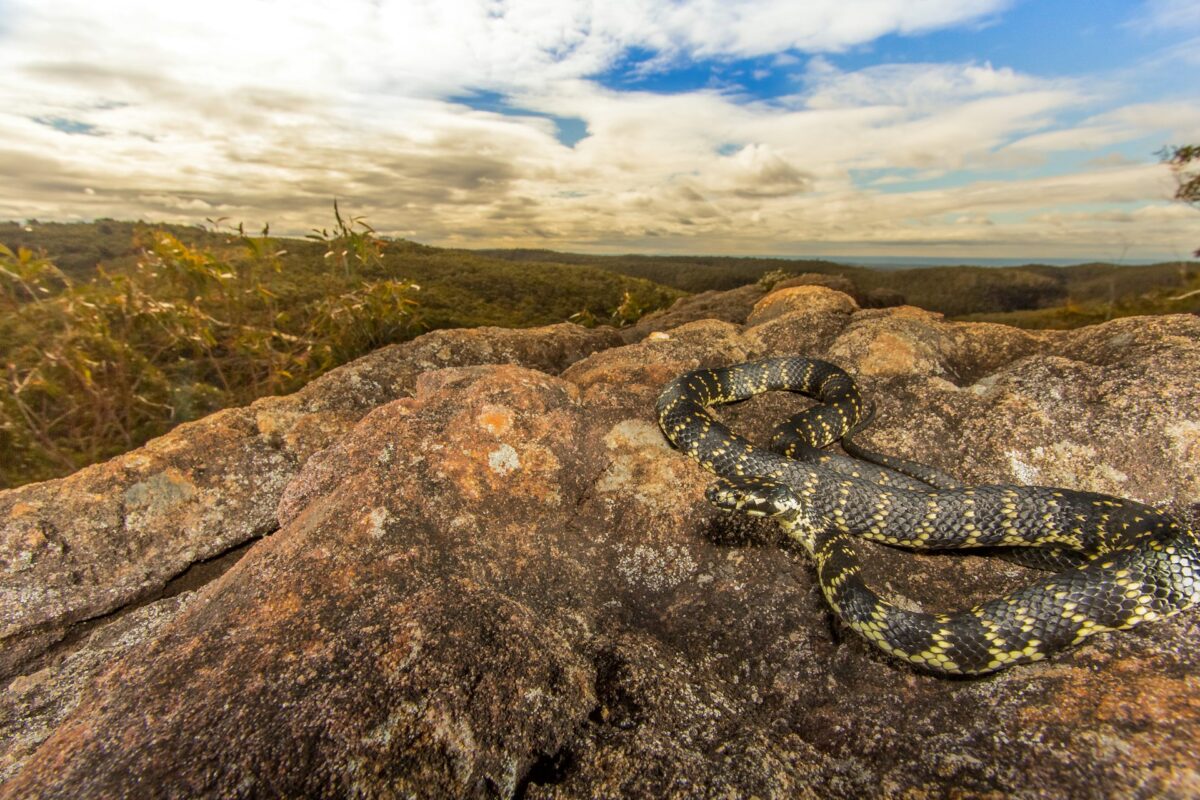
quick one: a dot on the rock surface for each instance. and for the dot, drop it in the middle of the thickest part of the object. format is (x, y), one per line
(79, 547)
(483, 572)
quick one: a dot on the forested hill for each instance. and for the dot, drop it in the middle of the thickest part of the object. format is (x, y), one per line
(76, 248)
(955, 291)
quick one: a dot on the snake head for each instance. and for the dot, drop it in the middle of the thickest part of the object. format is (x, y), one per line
(758, 497)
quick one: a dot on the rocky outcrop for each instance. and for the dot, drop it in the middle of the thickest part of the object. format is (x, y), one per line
(482, 572)
(875, 297)
(80, 547)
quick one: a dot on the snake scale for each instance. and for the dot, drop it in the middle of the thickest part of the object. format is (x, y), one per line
(1130, 563)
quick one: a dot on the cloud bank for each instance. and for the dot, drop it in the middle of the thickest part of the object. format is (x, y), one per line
(262, 111)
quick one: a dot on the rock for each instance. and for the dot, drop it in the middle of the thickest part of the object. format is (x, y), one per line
(875, 297)
(501, 581)
(808, 299)
(79, 547)
(839, 283)
(35, 704)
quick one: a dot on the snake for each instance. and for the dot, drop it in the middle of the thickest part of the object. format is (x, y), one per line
(1115, 563)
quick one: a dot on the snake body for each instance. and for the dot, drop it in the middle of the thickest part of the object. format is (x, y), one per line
(1133, 563)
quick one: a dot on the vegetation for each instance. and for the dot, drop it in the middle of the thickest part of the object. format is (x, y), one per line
(954, 291)
(1187, 176)
(1074, 314)
(177, 322)
(689, 273)
(76, 249)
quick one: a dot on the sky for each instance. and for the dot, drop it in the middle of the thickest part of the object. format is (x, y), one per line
(906, 128)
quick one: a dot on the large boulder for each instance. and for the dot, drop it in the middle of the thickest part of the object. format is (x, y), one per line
(83, 546)
(494, 578)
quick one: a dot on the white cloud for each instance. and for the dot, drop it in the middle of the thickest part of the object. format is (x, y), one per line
(1169, 15)
(761, 27)
(913, 87)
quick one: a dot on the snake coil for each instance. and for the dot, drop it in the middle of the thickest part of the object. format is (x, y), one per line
(1128, 563)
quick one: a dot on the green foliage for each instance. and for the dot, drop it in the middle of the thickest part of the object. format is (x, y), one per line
(91, 373)
(769, 279)
(178, 322)
(585, 318)
(630, 310)
(968, 290)
(101, 366)
(352, 241)
(688, 273)
(378, 313)
(25, 277)
(1182, 298)
(77, 249)
(1187, 176)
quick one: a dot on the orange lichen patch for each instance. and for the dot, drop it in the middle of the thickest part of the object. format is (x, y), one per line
(496, 420)
(1148, 698)
(279, 606)
(20, 509)
(889, 354)
(1130, 696)
(520, 470)
(532, 471)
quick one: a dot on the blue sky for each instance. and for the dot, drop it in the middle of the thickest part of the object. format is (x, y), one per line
(1050, 38)
(949, 128)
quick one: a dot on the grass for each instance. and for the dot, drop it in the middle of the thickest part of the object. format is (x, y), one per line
(178, 322)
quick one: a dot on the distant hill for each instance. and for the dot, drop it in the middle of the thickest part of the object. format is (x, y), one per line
(953, 290)
(689, 273)
(481, 285)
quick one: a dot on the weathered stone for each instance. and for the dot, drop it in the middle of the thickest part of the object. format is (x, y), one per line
(505, 583)
(79, 547)
(35, 704)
